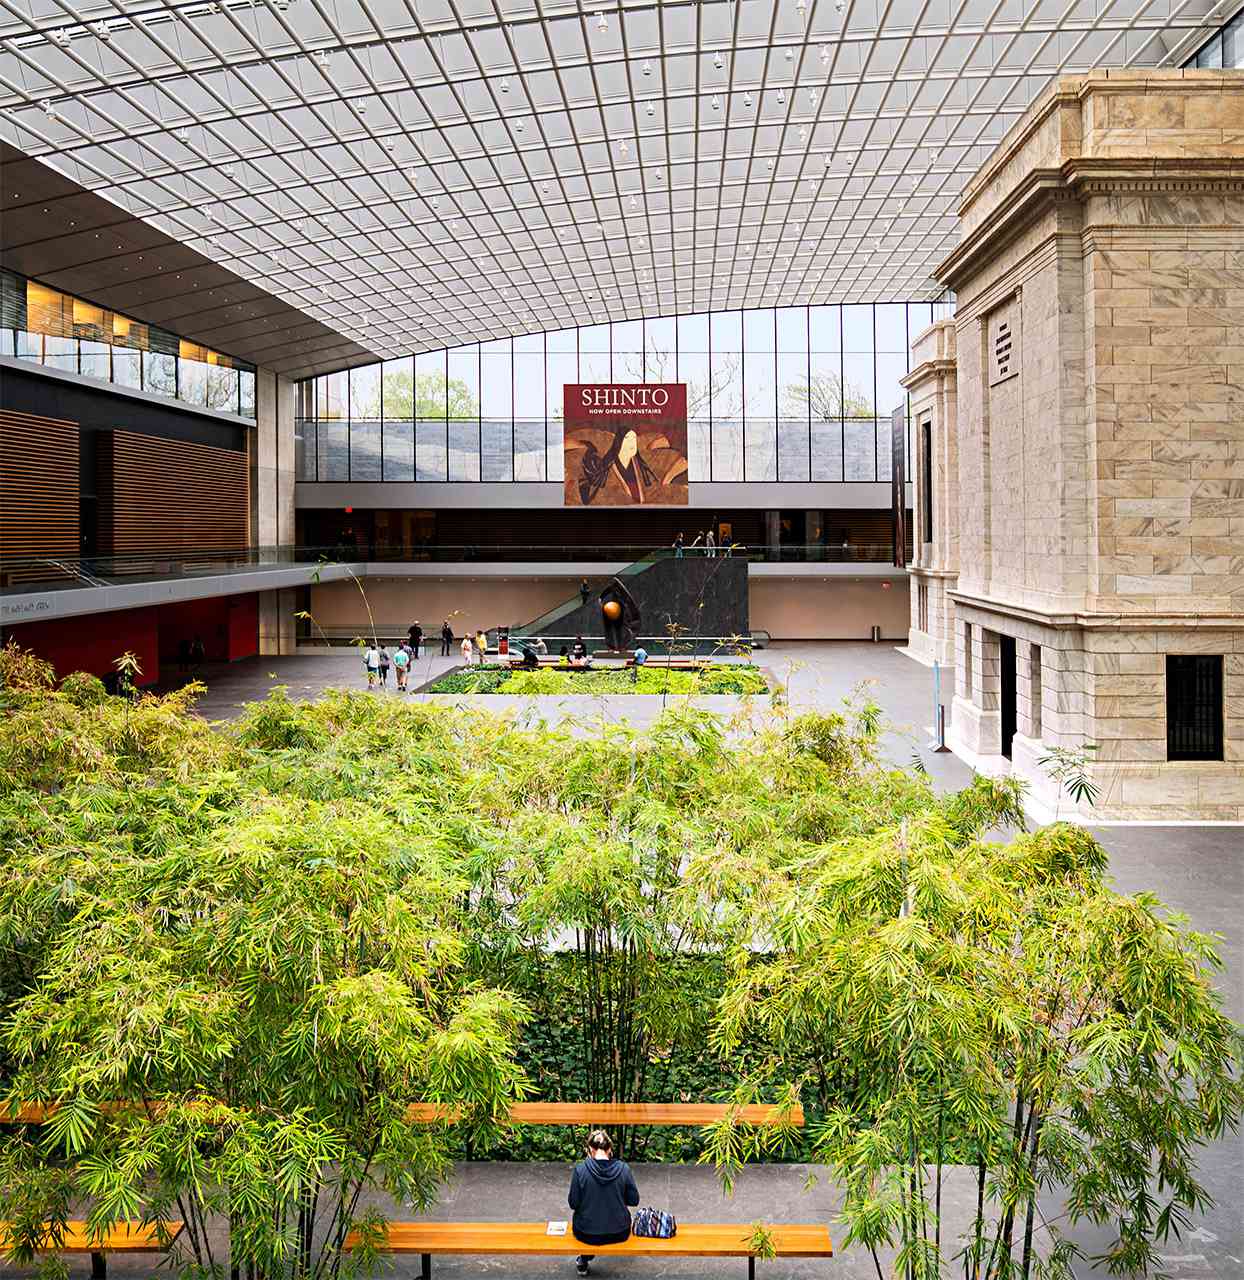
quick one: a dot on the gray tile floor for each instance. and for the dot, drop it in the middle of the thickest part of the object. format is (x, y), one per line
(1197, 870)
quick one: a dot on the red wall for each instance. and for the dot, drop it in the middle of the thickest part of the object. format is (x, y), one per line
(228, 626)
(92, 643)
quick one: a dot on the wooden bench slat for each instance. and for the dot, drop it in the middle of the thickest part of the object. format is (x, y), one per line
(694, 1240)
(125, 1237)
(692, 1114)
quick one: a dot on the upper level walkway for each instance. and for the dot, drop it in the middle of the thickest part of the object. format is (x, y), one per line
(38, 590)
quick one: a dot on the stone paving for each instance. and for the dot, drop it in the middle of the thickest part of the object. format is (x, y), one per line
(1197, 870)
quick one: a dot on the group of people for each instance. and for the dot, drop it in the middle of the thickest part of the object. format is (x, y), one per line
(473, 647)
(709, 539)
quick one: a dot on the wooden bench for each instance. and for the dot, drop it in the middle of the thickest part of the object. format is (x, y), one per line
(587, 1114)
(125, 1237)
(694, 1240)
(592, 1114)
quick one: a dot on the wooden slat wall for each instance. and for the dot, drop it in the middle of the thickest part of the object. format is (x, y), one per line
(39, 490)
(157, 495)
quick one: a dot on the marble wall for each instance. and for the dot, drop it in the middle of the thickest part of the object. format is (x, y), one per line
(1100, 432)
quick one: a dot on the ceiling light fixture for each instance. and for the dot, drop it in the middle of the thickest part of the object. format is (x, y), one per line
(824, 55)
(747, 99)
(60, 37)
(781, 97)
(624, 149)
(718, 61)
(504, 86)
(716, 103)
(602, 22)
(646, 69)
(651, 109)
(323, 58)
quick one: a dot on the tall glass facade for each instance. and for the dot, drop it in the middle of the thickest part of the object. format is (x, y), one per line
(62, 332)
(785, 394)
(1224, 49)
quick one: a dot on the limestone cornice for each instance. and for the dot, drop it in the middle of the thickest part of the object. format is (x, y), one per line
(1072, 183)
(928, 371)
(1101, 621)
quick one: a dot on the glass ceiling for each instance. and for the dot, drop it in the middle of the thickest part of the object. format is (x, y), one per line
(421, 173)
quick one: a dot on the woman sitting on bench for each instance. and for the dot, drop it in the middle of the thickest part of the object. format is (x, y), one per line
(601, 1188)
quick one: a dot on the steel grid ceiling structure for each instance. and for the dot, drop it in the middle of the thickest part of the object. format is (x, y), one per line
(420, 173)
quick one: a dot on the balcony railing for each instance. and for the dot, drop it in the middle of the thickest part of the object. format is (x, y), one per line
(25, 575)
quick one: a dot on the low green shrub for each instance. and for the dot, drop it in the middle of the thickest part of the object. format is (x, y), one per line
(83, 689)
(728, 678)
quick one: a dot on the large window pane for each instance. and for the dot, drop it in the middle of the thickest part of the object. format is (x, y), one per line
(727, 461)
(497, 459)
(890, 394)
(398, 390)
(919, 317)
(304, 448)
(825, 387)
(594, 338)
(497, 380)
(891, 321)
(429, 387)
(693, 370)
(792, 385)
(365, 448)
(464, 383)
(463, 451)
(760, 385)
(793, 449)
(759, 333)
(760, 443)
(563, 369)
(857, 375)
(825, 324)
(726, 331)
(431, 449)
(528, 449)
(857, 328)
(827, 449)
(555, 438)
(332, 392)
(399, 442)
(595, 366)
(628, 351)
(365, 392)
(692, 333)
(699, 446)
(884, 446)
(333, 451)
(792, 329)
(726, 387)
(860, 462)
(529, 394)
(660, 345)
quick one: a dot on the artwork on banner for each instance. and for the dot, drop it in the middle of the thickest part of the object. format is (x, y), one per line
(625, 444)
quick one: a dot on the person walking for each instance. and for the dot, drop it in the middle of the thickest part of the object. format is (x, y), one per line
(401, 666)
(585, 592)
(385, 663)
(447, 639)
(710, 545)
(678, 547)
(468, 648)
(481, 643)
(602, 1192)
(371, 660)
(415, 637)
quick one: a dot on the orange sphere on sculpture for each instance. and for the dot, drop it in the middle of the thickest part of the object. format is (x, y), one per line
(612, 610)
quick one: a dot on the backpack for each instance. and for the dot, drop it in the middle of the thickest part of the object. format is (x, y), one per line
(654, 1223)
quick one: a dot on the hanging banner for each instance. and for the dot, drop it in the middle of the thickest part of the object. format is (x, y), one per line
(625, 444)
(898, 484)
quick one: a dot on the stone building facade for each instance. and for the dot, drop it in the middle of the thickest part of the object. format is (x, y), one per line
(1092, 463)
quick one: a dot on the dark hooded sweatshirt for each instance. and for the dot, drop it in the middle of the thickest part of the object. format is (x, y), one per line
(600, 1190)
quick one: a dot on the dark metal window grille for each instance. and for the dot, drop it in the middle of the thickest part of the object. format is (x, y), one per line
(1194, 706)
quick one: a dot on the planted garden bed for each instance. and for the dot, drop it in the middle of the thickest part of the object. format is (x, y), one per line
(719, 677)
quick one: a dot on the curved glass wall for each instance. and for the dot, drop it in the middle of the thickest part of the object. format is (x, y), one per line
(785, 394)
(62, 332)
